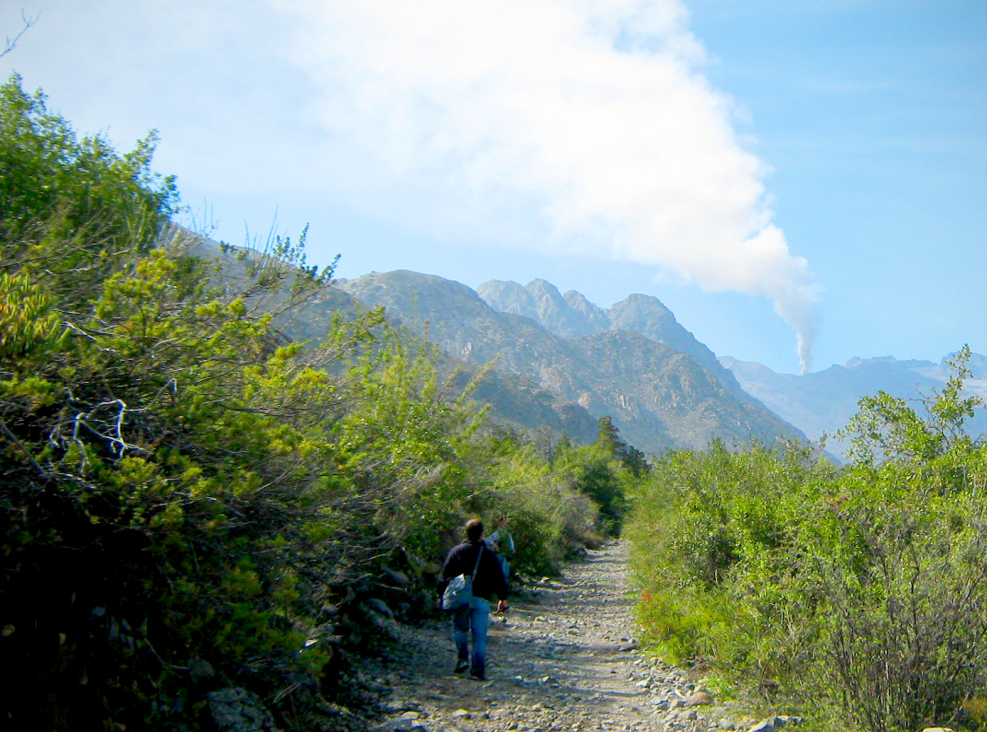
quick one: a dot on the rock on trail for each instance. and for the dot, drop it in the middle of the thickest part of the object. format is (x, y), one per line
(566, 659)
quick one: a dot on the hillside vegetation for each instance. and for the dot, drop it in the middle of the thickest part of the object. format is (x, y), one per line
(196, 508)
(857, 595)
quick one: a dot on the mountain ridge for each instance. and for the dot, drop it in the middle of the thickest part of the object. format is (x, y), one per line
(659, 397)
(640, 313)
(515, 402)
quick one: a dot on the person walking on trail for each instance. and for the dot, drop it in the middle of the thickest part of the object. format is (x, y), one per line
(471, 622)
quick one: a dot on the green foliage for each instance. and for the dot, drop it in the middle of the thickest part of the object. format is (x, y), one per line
(71, 209)
(710, 533)
(406, 439)
(180, 484)
(547, 514)
(609, 441)
(164, 462)
(859, 590)
(27, 321)
(604, 472)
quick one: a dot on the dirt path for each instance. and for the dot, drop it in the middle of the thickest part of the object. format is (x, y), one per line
(566, 660)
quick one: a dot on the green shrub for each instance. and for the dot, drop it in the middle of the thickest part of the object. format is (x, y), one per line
(859, 592)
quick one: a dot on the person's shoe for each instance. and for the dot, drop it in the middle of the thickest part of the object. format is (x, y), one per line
(479, 676)
(462, 665)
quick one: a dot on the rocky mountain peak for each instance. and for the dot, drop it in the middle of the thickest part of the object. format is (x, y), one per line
(541, 301)
(574, 315)
(510, 297)
(647, 315)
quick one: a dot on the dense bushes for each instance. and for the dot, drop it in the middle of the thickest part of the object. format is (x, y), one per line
(175, 493)
(188, 499)
(547, 514)
(859, 592)
(710, 535)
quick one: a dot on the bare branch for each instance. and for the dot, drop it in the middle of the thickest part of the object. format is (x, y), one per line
(9, 44)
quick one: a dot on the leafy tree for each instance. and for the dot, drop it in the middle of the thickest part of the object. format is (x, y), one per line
(71, 211)
(887, 428)
(608, 440)
(547, 514)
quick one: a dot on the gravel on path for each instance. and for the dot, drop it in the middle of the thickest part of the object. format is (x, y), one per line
(565, 659)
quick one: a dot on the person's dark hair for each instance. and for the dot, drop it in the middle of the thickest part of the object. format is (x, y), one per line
(474, 529)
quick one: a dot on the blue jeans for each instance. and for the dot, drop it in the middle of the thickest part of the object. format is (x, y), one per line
(472, 620)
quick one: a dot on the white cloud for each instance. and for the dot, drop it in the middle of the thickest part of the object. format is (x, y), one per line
(586, 123)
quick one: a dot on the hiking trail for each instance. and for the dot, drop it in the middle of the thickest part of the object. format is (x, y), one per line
(567, 659)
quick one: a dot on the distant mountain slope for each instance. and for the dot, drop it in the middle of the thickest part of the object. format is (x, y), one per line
(659, 397)
(824, 402)
(652, 389)
(515, 402)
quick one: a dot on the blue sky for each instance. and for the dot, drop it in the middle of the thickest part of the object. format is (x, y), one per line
(767, 169)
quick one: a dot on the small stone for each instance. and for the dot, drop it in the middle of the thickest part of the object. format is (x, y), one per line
(239, 710)
(461, 714)
(698, 699)
(402, 705)
(768, 725)
(397, 577)
(405, 725)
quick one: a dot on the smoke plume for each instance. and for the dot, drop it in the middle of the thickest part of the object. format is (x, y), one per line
(588, 122)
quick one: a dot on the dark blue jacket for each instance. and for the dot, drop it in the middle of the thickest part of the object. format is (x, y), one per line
(488, 580)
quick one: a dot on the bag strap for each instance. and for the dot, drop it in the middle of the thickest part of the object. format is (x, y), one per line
(477, 565)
